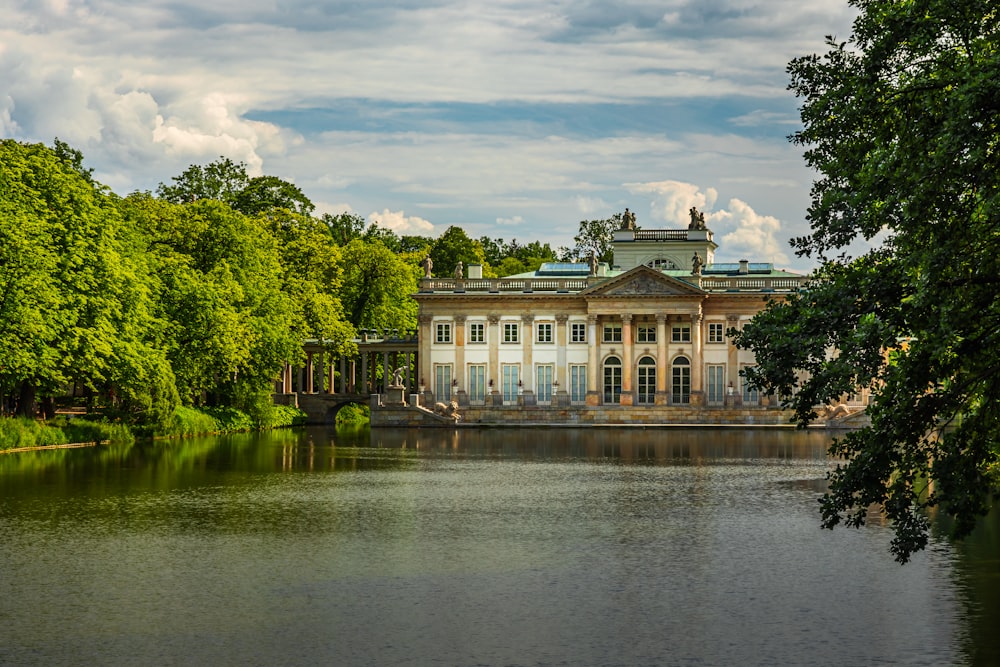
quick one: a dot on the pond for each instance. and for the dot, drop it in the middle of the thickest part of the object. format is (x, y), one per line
(470, 547)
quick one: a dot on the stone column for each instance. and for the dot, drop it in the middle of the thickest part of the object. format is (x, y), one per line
(697, 369)
(662, 361)
(386, 372)
(493, 370)
(424, 355)
(462, 395)
(733, 366)
(343, 375)
(363, 380)
(593, 362)
(628, 394)
(527, 370)
(560, 397)
(286, 379)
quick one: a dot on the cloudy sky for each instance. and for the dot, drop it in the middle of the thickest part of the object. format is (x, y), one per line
(510, 118)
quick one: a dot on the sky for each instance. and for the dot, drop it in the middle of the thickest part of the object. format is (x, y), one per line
(513, 119)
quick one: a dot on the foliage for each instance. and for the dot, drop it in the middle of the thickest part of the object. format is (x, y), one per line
(103, 431)
(507, 259)
(377, 287)
(23, 432)
(285, 415)
(452, 247)
(189, 421)
(353, 414)
(596, 236)
(902, 124)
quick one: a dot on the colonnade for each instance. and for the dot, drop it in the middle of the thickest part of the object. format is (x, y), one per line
(368, 372)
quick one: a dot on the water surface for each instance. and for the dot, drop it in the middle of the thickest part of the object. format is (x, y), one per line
(469, 547)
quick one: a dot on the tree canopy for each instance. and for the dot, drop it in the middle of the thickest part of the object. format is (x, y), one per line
(902, 123)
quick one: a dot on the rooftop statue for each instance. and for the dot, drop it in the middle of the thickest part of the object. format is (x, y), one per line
(696, 265)
(428, 265)
(628, 220)
(697, 219)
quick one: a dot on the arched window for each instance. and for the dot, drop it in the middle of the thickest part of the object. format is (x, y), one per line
(612, 380)
(680, 387)
(661, 263)
(646, 380)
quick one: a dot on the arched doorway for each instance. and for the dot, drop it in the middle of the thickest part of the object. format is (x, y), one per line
(646, 381)
(612, 381)
(680, 386)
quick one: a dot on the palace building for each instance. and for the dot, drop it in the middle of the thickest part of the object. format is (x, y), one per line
(642, 341)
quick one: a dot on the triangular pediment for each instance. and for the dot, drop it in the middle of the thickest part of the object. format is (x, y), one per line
(642, 281)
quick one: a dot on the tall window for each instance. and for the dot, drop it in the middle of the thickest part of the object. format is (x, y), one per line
(477, 332)
(612, 381)
(716, 332)
(442, 382)
(509, 379)
(750, 396)
(544, 332)
(477, 383)
(716, 384)
(645, 334)
(612, 333)
(510, 331)
(578, 332)
(680, 386)
(680, 333)
(646, 380)
(443, 332)
(578, 384)
(543, 383)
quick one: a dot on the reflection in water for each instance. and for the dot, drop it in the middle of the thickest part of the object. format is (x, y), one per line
(495, 547)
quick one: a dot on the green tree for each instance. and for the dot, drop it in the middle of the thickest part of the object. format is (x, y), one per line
(452, 247)
(377, 284)
(902, 122)
(266, 193)
(221, 180)
(596, 236)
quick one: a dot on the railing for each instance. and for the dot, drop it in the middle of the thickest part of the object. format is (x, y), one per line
(661, 235)
(497, 285)
(504, 284)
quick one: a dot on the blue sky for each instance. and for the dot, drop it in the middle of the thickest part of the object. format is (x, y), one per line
(511, 118)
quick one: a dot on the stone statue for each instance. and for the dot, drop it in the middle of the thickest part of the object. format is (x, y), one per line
(697, 219)
(628, 220)
(459, 270)
(449, 410)
(397, 377)
(428, 265)
(696, 265)
(592, 262)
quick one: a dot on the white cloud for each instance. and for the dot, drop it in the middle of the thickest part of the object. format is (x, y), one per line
(400, 223)
(672, 200)
(512, 221)
(753, 236)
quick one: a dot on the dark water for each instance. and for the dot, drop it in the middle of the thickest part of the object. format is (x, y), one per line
(491, 547)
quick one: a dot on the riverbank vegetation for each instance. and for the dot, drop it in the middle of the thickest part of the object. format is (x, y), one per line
(143, 307)
(901, 123)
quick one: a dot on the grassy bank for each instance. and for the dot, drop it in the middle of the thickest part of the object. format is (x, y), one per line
(20, 432)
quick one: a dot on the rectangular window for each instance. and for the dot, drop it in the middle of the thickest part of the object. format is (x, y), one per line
(680, 333)
(750, 396)
(716, 332)
(716, 385)
(477, 383)
(442, 382)
(510, 330)
(544, 332)
(578, 384)
(612, 333)
(543, 386)
(443, 332)
(578, 332)
(477, 332)
(646, 334)
(510, 382)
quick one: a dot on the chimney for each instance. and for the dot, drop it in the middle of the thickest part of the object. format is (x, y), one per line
(475, 271)
(744, 266)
